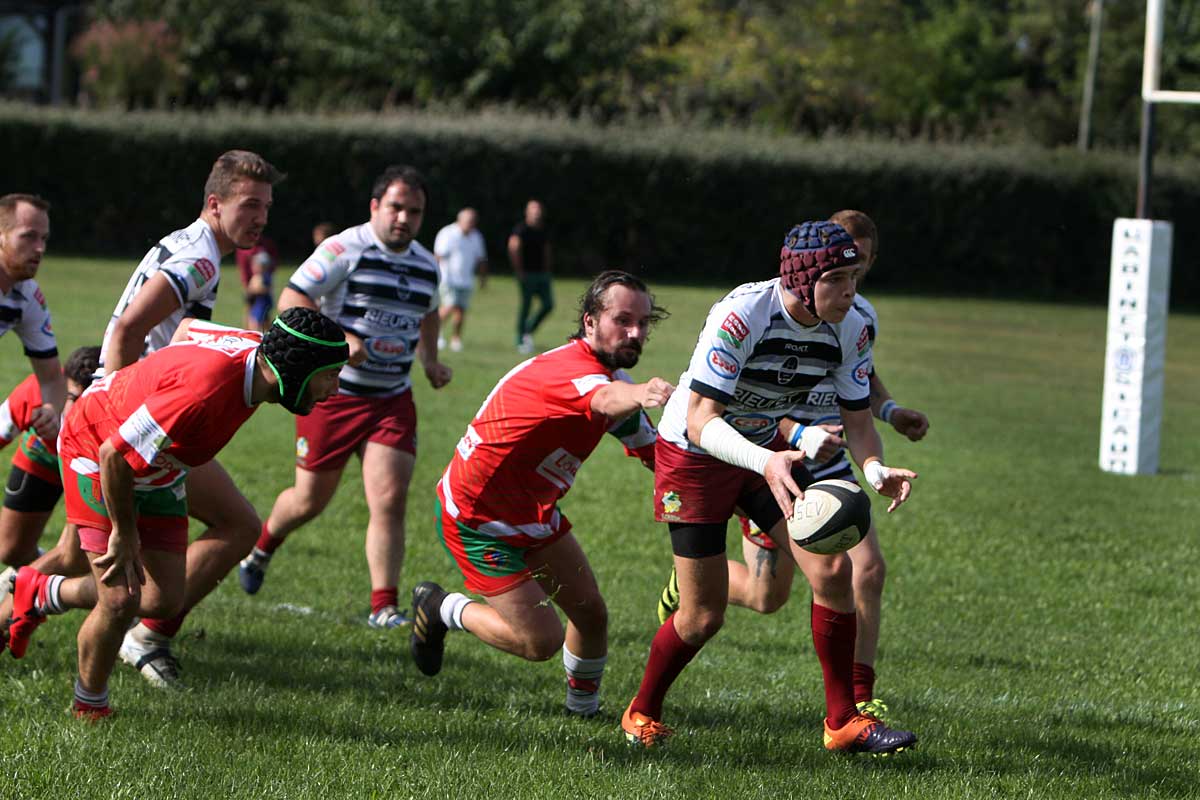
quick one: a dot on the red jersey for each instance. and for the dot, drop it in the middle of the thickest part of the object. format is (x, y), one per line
(15, 411)
(174, 409)
(523, 449)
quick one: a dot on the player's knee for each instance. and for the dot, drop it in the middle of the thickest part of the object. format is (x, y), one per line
(831, 576)
(16, 553)
(161, 605)
(119, 604)
(699, 625)
(870, 577)
(770, 601)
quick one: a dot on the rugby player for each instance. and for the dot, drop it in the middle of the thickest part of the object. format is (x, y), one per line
(813, 426)
(127, 447)
(763, 348)
(498, 499)
(381, 286)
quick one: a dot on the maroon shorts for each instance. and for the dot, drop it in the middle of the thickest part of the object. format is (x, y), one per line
(339, 426)
(699, 489)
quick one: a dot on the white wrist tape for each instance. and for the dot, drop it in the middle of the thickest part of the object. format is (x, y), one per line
(721, 441)
(887, 409)
(875, 473)
(794, 436)
(812, 439)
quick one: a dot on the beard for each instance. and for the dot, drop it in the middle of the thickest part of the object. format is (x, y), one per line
(623, 357)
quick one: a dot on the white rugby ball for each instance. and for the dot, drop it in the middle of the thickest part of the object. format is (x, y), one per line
(834, 516)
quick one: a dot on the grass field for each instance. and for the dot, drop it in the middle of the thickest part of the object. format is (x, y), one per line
(1040, 623)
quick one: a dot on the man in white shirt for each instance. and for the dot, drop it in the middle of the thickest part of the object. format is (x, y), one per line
(461, 253)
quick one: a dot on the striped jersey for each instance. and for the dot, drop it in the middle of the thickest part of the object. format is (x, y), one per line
(377, 294)
(190, 259)
(760, 363)
(23, 309)
(820, 407)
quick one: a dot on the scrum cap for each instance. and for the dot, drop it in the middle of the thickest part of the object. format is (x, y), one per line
(811, 249)
(299, 344)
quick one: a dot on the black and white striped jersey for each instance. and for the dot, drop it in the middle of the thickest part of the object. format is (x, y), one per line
(23, 309)
(191, 261)
(758, 361)
(820, 407)
(377, 294)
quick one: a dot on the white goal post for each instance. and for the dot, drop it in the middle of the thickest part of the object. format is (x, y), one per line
(1139, 287)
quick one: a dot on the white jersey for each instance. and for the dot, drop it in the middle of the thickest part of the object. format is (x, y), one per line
(23, 309)
(458, 255)
(191, 261)
(821, 407)
(758, 361)
(377, 294)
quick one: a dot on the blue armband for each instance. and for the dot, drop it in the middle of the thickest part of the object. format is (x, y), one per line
(794, 438)
(887, 409)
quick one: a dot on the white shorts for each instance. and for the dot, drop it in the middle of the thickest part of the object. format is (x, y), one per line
(456, 296)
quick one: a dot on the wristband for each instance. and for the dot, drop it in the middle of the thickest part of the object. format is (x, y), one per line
(875, 473)
(721, 441)
(887, 409)
(794, 438)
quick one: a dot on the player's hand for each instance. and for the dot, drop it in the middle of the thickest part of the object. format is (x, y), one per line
(438, 374)
(780, 481)
(358, 349)
(122, 562)
(655, 393)
(890, 482)
(821, 442)
(910, 423)
(44, 420)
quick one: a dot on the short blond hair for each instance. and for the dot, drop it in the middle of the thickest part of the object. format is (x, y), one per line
(8, 208)
(234, 165)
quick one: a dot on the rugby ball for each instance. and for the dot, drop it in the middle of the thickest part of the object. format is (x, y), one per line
(834, 516)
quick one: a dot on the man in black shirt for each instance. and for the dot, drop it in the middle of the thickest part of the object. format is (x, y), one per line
(529, 254)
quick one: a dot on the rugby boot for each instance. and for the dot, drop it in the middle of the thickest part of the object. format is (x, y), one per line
(25, 614)
(866, 734)
(642, 731)
(668, 601)
(427, 642)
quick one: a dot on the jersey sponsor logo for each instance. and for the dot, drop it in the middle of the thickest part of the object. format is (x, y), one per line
(229, 344)
(788, 371)
(849, 253)
(733, 330)
(331, 250)
(560, 468)
(144, 434)
(862, 372)
(314, 271)
(749, 399)
(588, 382)
(39, 297)
(750, 423)
(467, 444)
(864, 341)
(722, 363)
(386, 348)
(792, 347)
(389, 319)
(46, 328)
(818, 399)
(202, 271)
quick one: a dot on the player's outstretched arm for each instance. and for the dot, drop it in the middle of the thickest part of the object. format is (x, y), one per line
(619, 399)
(907, 421)
(867, 450)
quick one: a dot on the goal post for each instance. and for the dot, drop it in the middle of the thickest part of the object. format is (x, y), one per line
(1139, 287)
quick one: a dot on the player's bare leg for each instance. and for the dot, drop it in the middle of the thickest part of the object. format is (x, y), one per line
(387, 472)
(764, 582)
(102, 632)
(19, 534)
(870, 572)
(295, 505)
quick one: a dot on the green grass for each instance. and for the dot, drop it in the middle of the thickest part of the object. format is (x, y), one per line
(1039, 632)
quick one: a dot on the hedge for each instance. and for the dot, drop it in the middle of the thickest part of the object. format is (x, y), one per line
(672, 204)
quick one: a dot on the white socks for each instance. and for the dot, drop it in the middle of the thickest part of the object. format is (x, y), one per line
(451, 610)
(583, 682)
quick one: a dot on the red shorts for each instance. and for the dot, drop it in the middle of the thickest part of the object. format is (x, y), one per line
(161, 515)
(489, 564)
(700, 489)
(338, 427)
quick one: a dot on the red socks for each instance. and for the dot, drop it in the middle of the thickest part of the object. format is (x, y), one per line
(266, 542)
(833, 637)
(668, 656)
(864, 682)
(167, 627)
(381, 598)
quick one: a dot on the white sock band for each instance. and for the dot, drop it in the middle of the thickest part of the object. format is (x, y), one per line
(53, 604)
(451, 610)
(82, 695)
